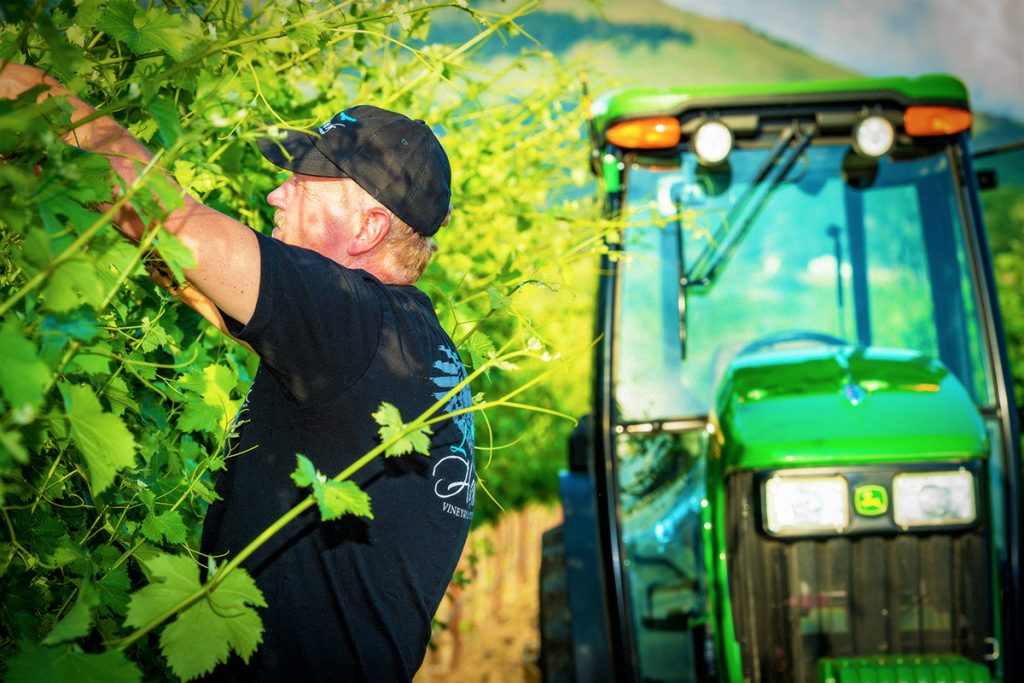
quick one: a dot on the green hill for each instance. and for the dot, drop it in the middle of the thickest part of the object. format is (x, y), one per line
(633, 41)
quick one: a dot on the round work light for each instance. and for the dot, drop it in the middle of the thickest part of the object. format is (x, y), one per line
(873, 136)
(712, 142)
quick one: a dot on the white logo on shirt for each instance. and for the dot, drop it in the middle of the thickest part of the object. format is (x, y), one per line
(454, 474)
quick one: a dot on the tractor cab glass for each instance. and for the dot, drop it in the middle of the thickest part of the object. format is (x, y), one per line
(833, 249)
(795, 243)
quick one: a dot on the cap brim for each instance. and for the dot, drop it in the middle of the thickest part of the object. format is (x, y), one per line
(297, 152)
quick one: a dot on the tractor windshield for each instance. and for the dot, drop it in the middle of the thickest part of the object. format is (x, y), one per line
(826, 247)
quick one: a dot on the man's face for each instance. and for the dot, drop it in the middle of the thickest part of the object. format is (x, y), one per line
(312, 212)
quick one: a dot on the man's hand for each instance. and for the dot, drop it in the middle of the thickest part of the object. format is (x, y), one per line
(227, 271)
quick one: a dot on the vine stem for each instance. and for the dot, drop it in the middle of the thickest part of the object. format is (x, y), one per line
(83, 239)
(426, 418)
(523, 9)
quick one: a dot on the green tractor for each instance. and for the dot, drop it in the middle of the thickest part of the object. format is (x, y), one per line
(803, 459)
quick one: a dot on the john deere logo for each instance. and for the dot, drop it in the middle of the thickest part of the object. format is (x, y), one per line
(870, 500)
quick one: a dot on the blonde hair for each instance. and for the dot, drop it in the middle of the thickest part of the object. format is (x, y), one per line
(405, 252)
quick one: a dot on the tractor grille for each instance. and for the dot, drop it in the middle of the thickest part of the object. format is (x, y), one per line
(797, 600)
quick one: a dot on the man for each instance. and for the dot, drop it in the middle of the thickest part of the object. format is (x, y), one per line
(329, 306)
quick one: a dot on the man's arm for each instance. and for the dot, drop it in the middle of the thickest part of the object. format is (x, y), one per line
(227, 271)
(160, 274)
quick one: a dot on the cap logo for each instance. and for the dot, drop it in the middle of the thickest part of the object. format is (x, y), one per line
(339, 121)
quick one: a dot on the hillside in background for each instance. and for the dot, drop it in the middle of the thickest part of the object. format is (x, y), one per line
(630, 42)
(645, 42)
(642, 42)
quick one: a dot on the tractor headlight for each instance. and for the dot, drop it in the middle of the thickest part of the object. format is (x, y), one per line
(803, 504)
(933, 498)
(873, 136)
(712, 142)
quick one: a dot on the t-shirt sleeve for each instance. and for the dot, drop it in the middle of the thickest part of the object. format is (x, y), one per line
(316, 325)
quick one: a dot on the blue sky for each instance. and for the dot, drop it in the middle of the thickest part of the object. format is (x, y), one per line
(981, 41)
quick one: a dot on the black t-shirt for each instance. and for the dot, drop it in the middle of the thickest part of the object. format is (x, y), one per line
(350, 599)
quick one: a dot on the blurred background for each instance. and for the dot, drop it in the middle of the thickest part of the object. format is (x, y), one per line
(488, 623)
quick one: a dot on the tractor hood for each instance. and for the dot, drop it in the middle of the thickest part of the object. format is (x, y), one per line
(857, 405)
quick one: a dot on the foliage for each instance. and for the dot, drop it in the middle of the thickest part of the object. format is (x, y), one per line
(118, 402)
(1004, 220)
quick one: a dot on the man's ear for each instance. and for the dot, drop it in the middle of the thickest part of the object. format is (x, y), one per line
(375, 227)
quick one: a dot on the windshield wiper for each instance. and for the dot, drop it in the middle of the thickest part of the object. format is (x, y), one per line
(776, 166)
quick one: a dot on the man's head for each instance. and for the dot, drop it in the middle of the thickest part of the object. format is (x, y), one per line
(397, 161)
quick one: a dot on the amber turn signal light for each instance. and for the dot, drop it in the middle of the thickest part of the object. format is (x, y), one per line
(662, 132)
(922, 120)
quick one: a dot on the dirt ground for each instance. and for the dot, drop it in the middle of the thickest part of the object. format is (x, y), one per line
(492, 633)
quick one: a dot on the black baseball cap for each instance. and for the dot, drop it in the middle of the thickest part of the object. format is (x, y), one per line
(398, 161)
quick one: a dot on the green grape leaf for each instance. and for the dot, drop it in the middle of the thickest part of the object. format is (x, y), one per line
(308, 33)
(53, 206)
(157, 198)
(11, 448)
(22, 375)
(390, 421)
(165, 113)
(113, 589)
(142, 31)
(36, 248)
(175, 254)
(78, 621)
(153, 335)
(92, 360)
(223, 618)
(203, 635)
(199, 417)
(498, 300)
(66, 552)
(73, 277)
(334, 498)
(165, 526)
(119, 396)
(89, 176)
(216, 410)
(80, 325)
(305, 473)
(338, 498)
(480, 348)
(101, 437)
(38, 663)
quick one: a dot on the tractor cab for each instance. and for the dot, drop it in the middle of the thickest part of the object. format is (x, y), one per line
(803, 458)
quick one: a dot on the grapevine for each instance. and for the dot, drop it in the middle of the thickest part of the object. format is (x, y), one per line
(118, 401)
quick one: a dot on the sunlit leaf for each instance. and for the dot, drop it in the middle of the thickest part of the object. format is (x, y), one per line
(74, 281)
(216, 409)
(203, 635)
(305, 473)
(334, 498)
(167, 526)
(142, 31)
(338, 498)
(101, 437)
(480, 348)
(391, 425)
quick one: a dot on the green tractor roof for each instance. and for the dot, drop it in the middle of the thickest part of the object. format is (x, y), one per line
(631, 103)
